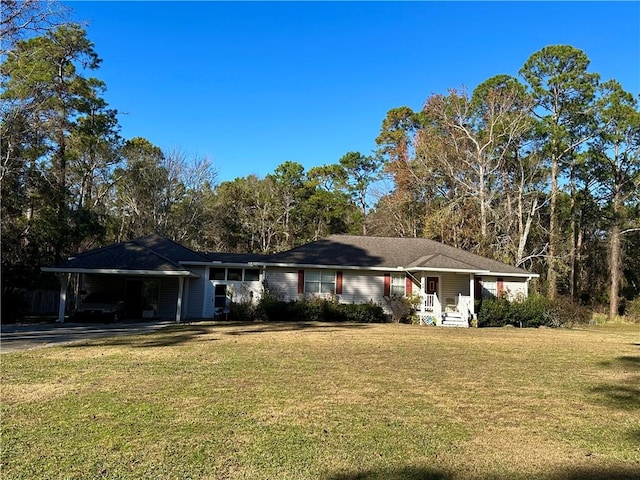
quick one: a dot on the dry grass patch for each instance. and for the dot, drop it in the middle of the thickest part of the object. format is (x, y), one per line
(327, 401)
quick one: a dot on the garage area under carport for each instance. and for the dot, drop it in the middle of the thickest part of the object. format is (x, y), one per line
(146, 274)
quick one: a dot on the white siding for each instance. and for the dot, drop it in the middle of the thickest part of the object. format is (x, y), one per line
(168, 298)
(196, 292)
(283, 283)
(357, 286)
(207, 306)
(362, 287)
(451, 285)
(244, 291)
(515, 288)
(489, 287)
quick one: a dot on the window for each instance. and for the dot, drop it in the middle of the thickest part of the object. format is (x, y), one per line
(398, 284)
(489, 289)
(234, 274)
(217, 273)
(251, 275)
(319, 282)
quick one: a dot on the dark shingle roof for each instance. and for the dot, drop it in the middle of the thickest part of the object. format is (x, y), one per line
(388, 252)
(234, 258)
(150, 253)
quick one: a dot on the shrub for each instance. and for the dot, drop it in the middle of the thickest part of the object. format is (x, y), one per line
(318, 310)
(632, 309)
(362, 313)
(403, 309)
(564, 313)
(242, 311)
(493, 312)
(533, 311)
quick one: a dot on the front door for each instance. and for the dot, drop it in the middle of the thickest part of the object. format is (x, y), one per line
(432, 285)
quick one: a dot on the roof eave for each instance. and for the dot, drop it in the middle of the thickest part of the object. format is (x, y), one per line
(119, 271)
(448, 270)
(332, 267)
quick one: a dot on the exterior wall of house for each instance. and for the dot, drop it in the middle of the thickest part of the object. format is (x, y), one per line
(240, 291)
(283, 283)
(357, 286)
(207, 306)
(362, 287)
(167, 297)
(195, 294)
(514, 288)
(452, 285)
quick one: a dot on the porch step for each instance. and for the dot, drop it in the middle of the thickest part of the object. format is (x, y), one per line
(449, 320)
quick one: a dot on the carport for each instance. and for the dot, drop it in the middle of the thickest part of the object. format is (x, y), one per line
(129, 265)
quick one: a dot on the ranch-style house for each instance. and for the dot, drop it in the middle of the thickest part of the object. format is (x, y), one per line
(156, 277)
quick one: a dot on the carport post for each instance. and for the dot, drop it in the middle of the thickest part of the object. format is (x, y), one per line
(179, 302)
(64, 283)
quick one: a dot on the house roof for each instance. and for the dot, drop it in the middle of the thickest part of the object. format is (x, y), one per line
(234, 258)
(150, 255)
(410, 254)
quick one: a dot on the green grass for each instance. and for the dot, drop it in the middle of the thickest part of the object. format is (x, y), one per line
(327, 401)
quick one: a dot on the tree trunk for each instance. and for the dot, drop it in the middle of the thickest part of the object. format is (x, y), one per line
(572, 245)
(614, 260)
(553, 227)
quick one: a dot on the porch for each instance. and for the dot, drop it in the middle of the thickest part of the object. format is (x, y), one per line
(446, 299)
(456, 312)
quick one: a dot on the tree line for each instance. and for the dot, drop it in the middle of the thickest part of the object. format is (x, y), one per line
(539, 170)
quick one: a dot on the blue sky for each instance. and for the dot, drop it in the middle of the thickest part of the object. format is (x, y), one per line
(253, 84)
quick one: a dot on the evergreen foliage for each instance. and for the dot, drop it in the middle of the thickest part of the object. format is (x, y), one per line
(534, 311)
(318, 310)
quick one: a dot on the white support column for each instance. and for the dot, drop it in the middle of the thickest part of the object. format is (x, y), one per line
(423, 291)
(179, 301)
(64, 283)
(472, 294)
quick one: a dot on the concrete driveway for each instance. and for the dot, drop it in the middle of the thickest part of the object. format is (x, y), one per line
(14, 338)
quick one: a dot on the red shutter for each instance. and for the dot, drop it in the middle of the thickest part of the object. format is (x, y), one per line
(338, 283)
(387, 284)
(500, 286)
(300, 281)
(408, 286)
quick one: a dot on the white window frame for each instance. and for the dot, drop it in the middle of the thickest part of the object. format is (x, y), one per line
(398, 285)
(320, 282)
(243, 273)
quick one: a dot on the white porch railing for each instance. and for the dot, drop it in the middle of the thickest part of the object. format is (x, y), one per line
(429, 302)
(465, 306)
(429, 313)
(433, 312)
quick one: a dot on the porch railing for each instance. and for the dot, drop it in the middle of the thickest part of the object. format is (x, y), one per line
(429, 302)
(465, 306)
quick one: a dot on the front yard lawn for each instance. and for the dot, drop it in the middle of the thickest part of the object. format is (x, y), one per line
(327, 401)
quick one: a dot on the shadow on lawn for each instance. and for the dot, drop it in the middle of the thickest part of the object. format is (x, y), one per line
(190, 332)
(407, 473)
(415, 473)
(165, 337)
(624, 395)
(268, 327)
(596, 473)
